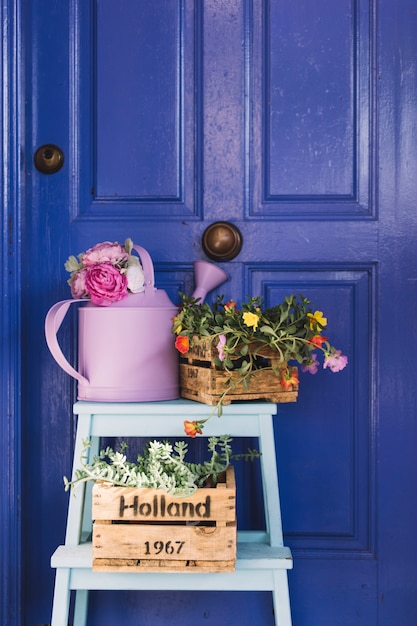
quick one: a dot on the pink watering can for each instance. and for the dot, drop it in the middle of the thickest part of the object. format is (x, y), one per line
(126, 350)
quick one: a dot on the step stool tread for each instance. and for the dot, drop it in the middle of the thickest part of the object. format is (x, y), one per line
(249, 556)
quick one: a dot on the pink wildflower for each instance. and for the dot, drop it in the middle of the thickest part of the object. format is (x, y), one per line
(220, 346)
(336, 361)
(311, 365)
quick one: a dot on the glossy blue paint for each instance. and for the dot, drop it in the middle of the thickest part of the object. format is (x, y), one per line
(397, 193)
(11, 186)
(131, 162)
(298, 123)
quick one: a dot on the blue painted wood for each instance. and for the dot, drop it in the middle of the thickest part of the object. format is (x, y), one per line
(149, 52)
(143, 152)
(12, 193)
(309, 470)
(234, 166)
(313, 74)
(397, 50)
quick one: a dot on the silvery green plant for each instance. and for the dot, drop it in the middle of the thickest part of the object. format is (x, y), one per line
(161, 466)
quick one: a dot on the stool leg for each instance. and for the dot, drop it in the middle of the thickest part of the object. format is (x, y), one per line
(281, 598)
(81, 607)
(60, 608)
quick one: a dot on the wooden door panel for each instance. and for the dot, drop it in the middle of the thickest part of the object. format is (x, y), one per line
(135, 78)
(313, 110)
(325, 442)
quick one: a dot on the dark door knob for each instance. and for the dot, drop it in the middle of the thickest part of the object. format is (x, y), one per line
(49, 159)
(222, 240)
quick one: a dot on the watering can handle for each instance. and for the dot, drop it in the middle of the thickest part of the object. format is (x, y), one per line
(147, 267)
(53, 323)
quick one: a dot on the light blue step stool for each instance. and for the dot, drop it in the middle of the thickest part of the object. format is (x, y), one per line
(262, 559)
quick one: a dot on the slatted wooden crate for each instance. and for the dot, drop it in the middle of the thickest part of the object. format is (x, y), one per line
(202, 380)
(147, 530)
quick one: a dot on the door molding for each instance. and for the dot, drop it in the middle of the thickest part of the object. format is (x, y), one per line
(12, 130)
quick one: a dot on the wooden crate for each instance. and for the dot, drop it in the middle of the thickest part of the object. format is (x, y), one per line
(202, 380)
(147, 530)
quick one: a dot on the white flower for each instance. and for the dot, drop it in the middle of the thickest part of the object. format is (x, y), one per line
(135, 278)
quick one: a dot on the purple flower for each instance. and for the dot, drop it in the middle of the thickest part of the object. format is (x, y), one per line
(336, 361)
(312, 365)
(220, 346)
(105, 284)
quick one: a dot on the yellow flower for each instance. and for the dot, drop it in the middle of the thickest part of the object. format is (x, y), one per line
(317, 318)
(251, 319)
(177, 324)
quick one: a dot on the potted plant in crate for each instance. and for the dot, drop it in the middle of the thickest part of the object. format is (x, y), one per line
(248, 351)
(162, 511)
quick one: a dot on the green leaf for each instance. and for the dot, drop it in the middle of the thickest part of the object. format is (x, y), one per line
(244, 368)
(267, 330)
(228, 362)
(283, 316)
(72, 264)
(128, 245)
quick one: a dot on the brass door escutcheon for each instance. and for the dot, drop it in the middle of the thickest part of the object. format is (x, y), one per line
(49, 159)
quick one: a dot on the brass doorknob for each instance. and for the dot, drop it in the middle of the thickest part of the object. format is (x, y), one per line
(222, 240)
(48, 159)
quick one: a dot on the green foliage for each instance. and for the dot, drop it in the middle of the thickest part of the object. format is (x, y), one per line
(254, 338)
(161, 466)
(286, 328)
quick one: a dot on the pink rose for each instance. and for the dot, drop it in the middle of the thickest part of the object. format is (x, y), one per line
(77, 284)
(105, 284)
(105, 252)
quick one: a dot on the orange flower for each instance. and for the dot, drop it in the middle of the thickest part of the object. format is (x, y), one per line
(289, 378)
(182, 344)
(230, 307)
(193, 428)
(318, 340)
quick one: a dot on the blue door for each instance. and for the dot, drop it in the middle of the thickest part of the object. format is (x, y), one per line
(296, 122)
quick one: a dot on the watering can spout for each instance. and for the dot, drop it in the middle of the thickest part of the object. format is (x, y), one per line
(208, 276)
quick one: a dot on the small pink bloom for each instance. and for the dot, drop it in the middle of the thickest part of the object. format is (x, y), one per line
(105, 252)
(220, 346)
(105, 284)
(312, 365)
(77, 284)
(336, 361)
